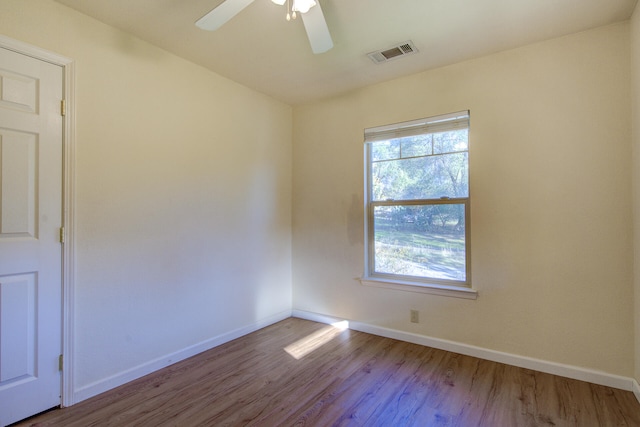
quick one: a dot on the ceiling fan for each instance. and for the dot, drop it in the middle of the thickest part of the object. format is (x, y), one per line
(312, 17)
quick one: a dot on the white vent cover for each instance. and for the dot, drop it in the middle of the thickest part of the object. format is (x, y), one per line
(398, 51)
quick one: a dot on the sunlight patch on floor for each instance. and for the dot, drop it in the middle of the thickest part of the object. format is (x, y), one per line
(311, 342)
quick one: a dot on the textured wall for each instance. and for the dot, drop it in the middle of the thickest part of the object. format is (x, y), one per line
(183, 195)
(635, 84)
(551, 211)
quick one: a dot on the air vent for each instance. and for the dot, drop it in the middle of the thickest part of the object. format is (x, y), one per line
(398, 51)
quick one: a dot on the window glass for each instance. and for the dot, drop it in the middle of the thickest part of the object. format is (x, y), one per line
(423, 241)
(427, 177)
(418, 201)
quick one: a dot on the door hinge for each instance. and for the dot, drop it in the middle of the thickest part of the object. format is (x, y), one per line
(63, 107)
(60, 362)
(61, 234)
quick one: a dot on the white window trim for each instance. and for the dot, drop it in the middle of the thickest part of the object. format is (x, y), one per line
(427, 286)
(419, 287)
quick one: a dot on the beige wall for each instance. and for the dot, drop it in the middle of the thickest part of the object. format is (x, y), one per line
(635, 84)
(183, 195)
(551, 213)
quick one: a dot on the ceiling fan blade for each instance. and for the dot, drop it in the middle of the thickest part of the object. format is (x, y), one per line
(317, 30)
(221, 14)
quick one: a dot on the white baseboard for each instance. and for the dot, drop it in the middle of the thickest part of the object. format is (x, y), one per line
(568, 371)
(596, 377)
(146, 368)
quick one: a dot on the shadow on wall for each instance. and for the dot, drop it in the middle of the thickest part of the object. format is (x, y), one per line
(355, 223)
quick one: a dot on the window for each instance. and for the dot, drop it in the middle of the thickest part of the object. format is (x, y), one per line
(417, 191)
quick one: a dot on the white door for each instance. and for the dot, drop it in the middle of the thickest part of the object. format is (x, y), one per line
(30, 250)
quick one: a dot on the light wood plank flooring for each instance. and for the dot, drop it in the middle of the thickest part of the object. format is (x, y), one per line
(345, 378)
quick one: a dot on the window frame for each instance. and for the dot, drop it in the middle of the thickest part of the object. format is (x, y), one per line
(457, 288)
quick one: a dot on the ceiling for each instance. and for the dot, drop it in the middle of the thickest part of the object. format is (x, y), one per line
(260, 49)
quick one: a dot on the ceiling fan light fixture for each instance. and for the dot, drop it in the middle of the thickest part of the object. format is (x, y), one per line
(310, 10)
(303, 6)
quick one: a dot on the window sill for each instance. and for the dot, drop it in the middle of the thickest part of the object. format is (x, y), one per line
(425, 288)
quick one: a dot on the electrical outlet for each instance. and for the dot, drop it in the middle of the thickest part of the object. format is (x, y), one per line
(415, 317)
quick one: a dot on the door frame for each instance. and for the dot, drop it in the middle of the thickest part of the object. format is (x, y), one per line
(67, 391)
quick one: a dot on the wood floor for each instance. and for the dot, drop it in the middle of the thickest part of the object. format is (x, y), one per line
(301, 373)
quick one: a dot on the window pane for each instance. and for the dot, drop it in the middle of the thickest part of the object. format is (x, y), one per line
(430, 177)
(451, 142)
(385, 150)
(415, 146)
(424, 241)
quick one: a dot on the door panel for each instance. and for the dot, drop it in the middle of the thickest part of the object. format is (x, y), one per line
(30, 250)
(17, 328)
(18, 92)
(18, 185)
